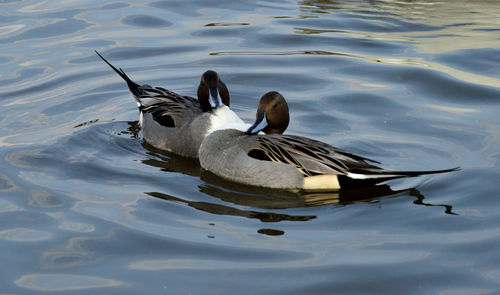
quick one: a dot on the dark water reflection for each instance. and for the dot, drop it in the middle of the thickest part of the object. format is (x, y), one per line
(87, 207)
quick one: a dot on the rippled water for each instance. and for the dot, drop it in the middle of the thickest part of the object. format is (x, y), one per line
(87, 207)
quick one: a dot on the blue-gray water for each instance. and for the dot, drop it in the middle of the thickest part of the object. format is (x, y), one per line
(86, 207)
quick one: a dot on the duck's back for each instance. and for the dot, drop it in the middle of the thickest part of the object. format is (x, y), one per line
(168, 125)
(230, 154)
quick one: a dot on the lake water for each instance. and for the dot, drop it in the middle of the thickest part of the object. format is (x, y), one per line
(87, 207)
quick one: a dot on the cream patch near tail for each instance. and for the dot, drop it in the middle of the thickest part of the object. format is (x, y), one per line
(321, 182)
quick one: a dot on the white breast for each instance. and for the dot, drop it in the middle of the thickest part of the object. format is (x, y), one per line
(224, 118)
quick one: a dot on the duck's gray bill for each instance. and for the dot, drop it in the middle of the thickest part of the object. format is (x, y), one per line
(214, 99)
(260, 123)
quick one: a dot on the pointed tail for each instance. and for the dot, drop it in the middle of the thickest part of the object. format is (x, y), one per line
(383, 175)
(371, 177)
(134, 88)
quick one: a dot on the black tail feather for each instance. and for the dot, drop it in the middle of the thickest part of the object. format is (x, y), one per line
(378, 176)
(398, 174)
(134, 87)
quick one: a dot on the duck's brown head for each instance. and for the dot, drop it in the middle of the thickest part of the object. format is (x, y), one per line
(272, 115)
(212, 92)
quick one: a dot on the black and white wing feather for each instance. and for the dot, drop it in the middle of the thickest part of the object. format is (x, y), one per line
(312, 157)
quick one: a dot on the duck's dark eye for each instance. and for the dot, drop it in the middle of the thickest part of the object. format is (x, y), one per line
(275, 105)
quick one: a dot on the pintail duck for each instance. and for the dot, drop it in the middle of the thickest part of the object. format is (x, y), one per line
(278, 161)
(179, 123)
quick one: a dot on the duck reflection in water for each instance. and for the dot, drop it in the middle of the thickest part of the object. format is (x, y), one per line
(234, 195)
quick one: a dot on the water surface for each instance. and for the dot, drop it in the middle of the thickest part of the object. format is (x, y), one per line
(87, 207)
